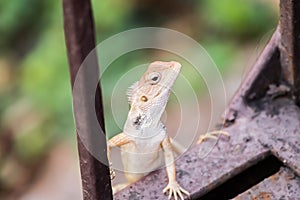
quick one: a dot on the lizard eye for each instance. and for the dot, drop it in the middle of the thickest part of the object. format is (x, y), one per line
(154, 78)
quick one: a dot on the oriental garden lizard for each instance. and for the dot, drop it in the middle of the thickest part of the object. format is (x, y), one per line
(144, 141)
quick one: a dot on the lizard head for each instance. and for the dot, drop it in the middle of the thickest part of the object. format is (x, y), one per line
(150, 94)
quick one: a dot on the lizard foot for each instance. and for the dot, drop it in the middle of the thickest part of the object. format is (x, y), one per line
(175, 190)
(212, 135)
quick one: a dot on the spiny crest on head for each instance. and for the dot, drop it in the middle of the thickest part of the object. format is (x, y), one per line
(131, 90)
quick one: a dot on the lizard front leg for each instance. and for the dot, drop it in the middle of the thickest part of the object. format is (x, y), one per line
(173, 187)
(116, 141)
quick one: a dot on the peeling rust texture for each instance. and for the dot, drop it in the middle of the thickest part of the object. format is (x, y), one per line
(280, 131)
(266, 71)
(290, 45)
(80, 40)
(282, 185)
(253, 137)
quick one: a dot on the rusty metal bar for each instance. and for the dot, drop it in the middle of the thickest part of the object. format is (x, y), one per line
(290, 44)
(275, 187)
(80, 41)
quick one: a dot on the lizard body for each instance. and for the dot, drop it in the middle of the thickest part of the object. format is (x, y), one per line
(144, 142)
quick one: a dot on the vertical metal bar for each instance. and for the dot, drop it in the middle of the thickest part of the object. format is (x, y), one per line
(80, 41)
(290, 44)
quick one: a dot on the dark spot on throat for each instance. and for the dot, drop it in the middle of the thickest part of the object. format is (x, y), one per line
(138, 121)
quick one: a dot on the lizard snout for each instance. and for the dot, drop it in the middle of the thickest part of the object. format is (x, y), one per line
(175, 66)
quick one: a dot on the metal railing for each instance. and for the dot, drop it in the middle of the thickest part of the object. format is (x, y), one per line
(80, 41)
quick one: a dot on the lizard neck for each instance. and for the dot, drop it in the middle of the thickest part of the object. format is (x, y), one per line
(144, 124)
(145, 120)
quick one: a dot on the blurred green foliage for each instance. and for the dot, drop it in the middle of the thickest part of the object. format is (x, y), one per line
(34, 74)
(26, 18)
(36, 100)
(238, 19)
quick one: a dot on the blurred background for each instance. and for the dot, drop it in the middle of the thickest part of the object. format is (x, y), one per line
(38, 154)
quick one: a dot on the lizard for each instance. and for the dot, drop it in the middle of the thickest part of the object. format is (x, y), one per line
(144, 138)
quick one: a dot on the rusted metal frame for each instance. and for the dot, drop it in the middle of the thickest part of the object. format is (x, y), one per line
(278, 64)
(282, 138)
(201, 176)
(284, 48)
(275, 187)
(253, 138)
(290, 44)
(266, 71)
(80, 41)
(283, 69)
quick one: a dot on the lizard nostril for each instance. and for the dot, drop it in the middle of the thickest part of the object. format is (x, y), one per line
(175, 65)
(172, 64)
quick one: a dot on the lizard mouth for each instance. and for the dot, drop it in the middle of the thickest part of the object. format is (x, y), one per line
(161, 92)
(157, 94)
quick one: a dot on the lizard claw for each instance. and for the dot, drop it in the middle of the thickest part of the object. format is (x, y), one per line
(111, 171)
(212, 135)
(176, 191)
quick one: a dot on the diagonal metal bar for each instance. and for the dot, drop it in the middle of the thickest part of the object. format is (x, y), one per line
(266, 71)
(80, 41)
